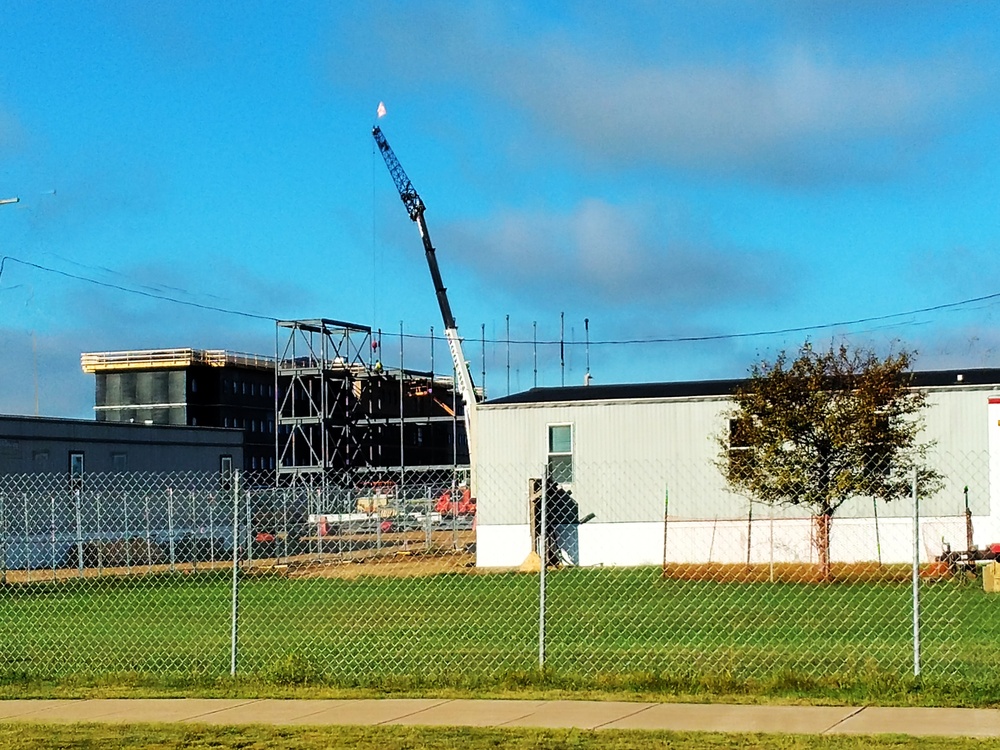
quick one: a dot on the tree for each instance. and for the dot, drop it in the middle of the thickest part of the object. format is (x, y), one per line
(824, 427)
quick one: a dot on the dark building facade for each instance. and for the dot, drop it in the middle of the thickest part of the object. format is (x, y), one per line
(190, 387)
(314, 411)
(45, 445)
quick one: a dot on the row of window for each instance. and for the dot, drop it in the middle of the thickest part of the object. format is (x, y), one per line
(237, 387)
(252, 425)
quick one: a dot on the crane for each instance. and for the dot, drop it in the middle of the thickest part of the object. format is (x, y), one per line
(415, 208)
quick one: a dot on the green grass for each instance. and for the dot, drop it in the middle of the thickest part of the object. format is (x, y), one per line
(621, 631)
(117, 737)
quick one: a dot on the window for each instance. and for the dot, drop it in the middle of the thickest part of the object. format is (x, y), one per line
(226, 472)
(741, 457)
(560, 463)
(119, 461)
(76, 469)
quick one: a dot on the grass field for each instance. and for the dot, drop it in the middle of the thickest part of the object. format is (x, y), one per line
(622, 629)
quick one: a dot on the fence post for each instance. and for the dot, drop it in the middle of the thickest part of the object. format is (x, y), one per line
(236, 568)
(543, 557)
(916, 576)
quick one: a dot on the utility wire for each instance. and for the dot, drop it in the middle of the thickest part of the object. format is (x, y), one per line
(606, 342)
(139, 292)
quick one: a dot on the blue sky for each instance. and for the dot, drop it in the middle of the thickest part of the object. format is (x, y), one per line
(665, 170)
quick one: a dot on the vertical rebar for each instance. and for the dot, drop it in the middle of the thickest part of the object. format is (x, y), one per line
(401, 495)
(284, 521)
(562, 348)
(3, 537)
(534, 349)
(52, 535)
(235, 597)
(211, 531)
(28, 557)
(916, 576)
(127, 535)
(170, 528)
(149, 540)
(508, 354)
(249, 531)
(542, 556)
(666, 515)
(79, 533)
(100, 540)
(878, 537)
(195, 534)
(968, 521)
(771, 543)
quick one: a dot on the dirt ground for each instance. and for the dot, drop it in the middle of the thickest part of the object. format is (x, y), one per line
(800, 572)
(396, 554)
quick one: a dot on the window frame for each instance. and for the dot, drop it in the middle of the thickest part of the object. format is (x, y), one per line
(550, 453)
(76, 475)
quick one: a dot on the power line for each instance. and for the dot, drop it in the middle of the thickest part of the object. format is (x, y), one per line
(606, 342)
(139, 292)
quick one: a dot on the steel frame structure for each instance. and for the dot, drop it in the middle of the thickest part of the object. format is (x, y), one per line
(318, 399)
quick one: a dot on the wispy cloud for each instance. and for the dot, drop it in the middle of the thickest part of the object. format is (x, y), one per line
(793, 112)
(616, 257)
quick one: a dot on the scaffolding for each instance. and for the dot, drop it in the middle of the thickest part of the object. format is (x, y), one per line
(353, 437)
(319, 406)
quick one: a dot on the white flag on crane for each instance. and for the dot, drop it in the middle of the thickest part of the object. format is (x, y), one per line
(380, 112)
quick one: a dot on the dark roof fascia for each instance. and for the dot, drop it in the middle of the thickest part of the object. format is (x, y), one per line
(714, 388)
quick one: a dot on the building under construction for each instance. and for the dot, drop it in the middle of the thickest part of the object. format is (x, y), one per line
(339, 410)
(323, 404)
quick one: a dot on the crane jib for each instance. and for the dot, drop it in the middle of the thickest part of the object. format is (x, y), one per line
(415, 208)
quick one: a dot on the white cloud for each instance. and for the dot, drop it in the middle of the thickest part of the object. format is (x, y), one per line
(790, 111)
(601, 254)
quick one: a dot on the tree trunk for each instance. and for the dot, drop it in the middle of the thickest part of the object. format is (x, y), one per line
(822, 523)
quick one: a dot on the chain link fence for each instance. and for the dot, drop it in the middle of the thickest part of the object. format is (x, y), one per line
(361, 579)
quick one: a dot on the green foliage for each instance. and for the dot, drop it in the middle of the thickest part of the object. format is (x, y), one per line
(826, 426)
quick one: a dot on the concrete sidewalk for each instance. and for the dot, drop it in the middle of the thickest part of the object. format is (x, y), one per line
(954, 722)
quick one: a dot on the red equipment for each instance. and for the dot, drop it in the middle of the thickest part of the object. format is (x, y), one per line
(464, 506)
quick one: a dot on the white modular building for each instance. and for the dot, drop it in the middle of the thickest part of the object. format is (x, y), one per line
(641, 468)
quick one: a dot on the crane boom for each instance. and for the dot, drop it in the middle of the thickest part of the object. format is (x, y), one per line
(415, 208)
